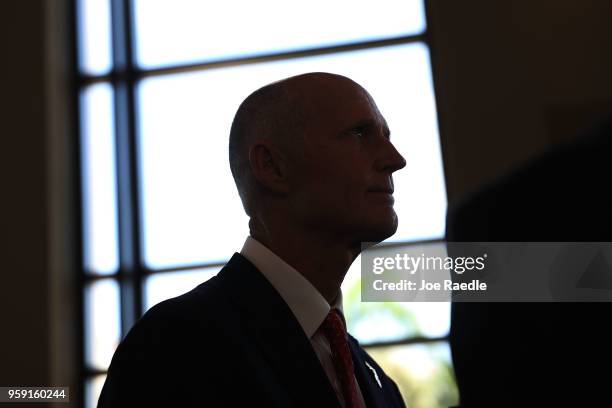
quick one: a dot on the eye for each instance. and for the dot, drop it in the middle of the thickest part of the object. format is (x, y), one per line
(358, 131)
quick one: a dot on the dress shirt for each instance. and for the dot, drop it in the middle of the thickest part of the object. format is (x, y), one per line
(308, 305)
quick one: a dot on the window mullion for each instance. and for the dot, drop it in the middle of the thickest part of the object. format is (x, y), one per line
(131, 271)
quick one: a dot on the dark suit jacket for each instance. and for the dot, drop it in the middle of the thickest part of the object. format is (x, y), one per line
(230, 342)
(538, 354)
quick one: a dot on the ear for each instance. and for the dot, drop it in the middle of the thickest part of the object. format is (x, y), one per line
(269, 166)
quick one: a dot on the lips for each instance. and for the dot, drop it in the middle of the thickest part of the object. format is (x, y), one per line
(384, 190)
(384, 195)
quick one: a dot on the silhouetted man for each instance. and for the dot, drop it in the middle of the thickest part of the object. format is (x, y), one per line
(312, 161)
(538, 354)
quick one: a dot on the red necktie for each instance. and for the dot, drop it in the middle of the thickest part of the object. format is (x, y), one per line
(333, 328)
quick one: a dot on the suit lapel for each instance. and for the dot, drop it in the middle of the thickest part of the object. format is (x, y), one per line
(371, 390)
(278, 334)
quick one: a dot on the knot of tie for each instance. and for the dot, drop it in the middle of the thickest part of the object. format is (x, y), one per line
(334, 324)
(334, 329)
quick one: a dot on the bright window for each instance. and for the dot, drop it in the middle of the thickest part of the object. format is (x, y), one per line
(159, 83)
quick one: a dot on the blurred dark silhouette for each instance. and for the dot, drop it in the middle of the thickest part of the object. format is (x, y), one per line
(538, 354)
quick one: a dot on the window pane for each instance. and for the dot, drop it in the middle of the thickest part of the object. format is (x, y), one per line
(94, 36)
(423, 373)
(99, 180)
(102, 323)
(192, 212)
(373, 322)
(162, 286)
(195, 30)
(93, 388)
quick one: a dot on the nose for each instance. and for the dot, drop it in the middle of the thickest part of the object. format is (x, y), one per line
(389, 159)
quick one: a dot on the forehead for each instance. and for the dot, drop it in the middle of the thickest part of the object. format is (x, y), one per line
(337, 103)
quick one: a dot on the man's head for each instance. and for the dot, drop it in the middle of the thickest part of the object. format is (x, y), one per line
(313, 152)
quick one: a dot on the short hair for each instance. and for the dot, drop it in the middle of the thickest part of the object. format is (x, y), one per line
(269, 111)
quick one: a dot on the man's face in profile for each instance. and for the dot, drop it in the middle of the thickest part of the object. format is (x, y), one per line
(343, 173)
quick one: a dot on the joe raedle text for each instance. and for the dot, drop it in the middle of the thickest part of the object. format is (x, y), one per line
(423, 285)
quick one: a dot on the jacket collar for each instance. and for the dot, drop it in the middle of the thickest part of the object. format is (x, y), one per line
(277, 333)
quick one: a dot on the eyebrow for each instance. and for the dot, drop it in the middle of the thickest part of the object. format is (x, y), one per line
(372, 123)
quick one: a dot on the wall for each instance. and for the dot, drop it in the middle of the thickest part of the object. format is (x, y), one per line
(37, 284)
(24, 226)
(513, 77)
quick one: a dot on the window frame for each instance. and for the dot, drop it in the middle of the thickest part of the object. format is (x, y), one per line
(124, 77)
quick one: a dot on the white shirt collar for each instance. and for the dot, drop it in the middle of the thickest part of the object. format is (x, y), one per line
(307, 304)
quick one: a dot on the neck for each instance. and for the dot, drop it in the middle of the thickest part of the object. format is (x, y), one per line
(322, 260)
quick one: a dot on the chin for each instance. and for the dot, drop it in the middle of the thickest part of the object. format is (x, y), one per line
(380, 230)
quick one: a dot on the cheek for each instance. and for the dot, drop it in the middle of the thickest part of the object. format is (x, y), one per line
(333, 195)
(344, 192)
(335, 180)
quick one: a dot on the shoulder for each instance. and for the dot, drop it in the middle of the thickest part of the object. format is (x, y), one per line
(190, 309)
(189, 306)
(201, 312)
(164, 349)
(173, 322)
